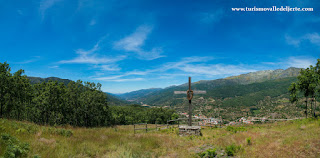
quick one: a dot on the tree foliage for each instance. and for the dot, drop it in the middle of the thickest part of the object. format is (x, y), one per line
(307, 86)
(77, 103)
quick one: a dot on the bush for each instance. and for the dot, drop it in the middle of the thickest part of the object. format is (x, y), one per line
(60, 131)
(208, 153)
(14, 148)
(21, 130)
(249, 141)
(2, 129)
(232, 149)
(236, 129)
(64, 132)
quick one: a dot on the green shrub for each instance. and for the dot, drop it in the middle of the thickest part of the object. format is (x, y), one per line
(14, 148)
(36, 156)
(2, 129)
(64, 132)
(60, 131)
(210, 153)
(230, 128)
(32, 129)
(21, 130)
(249, 141)
(236, 129)
(191, 137)
(232, 149)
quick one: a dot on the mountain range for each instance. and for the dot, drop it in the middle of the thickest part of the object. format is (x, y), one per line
(158, 96)
(261, 93)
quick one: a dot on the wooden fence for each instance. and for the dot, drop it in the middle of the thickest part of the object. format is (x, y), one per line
(170, 123)
(184, 121)
(140, 124)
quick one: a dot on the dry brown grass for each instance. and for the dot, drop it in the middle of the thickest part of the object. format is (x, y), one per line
(283, 139)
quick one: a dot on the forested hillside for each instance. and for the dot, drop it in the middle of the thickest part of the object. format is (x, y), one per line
(259, 93)
(220, 88)
(111, 99)
(76, 103)
(114, 100)
(235, 101)
(134, 95)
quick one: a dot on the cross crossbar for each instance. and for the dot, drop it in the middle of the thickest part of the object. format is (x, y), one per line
(194, 92)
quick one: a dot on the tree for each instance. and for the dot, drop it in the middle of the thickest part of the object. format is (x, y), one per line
(317, 78)
(293, 89)
(4, 85)
(21, 92)
(78, 104)
(307, 84)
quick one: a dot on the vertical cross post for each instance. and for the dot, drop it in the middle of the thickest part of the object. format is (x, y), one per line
(190, 108)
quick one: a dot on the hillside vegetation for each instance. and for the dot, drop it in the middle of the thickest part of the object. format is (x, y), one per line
(299, 138)
(157, 96)
(111, 99)
(232, 101)
(76, 104)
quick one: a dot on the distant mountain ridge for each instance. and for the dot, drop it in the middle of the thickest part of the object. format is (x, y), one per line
(264, 75)
(114, 100)
(164, 96)
(136, 94)
(243, 79)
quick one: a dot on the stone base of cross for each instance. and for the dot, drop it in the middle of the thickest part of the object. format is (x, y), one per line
(190, 93)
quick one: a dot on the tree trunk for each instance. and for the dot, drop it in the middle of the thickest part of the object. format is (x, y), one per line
(1, 110)
(315, 107)
(306, 107)
(47, 117)
(311, 104)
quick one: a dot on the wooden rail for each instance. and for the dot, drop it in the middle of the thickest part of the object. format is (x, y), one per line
(134, 127)
(166, 126)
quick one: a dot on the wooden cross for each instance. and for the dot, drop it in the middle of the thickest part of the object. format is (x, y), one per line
(189, 96)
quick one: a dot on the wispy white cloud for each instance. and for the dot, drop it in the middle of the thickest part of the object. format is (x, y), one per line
(118, 79)
(216, 69)
(92, 22)
(128, 79)
(300, 62)
(20, 12)
(195, 66)
(135, 41)
(54, 67)
(201, 67)
(45, 5)
(33, 59)
(294, 61)
(110, 67)
(292, 41)
(211, 17)
(313, 38)
(92, 57)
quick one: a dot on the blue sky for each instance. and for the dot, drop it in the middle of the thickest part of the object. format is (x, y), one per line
(131, 45)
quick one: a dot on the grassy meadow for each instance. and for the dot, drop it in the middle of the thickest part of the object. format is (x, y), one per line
(299, 138)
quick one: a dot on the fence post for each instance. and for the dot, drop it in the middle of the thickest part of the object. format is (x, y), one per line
(134, 129)
(146, 127)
